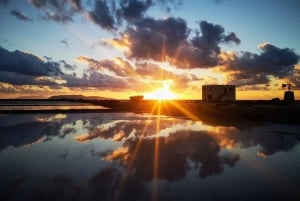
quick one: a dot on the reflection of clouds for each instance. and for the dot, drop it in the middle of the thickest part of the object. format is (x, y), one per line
(18, 130)
(185, 147)
(26, 133)
(119, 130)
(56, 188)
(269, 143)
(27, 129)
(101, 186)
(50, 118)
(35, 142)
(199, 147)
(121, 153)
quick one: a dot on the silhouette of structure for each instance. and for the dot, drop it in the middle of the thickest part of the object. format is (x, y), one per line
(288, 95)
(218, 93)
(136, 98)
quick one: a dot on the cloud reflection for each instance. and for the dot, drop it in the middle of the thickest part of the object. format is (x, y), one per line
(126, 172)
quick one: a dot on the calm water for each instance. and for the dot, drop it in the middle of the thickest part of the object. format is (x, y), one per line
(45, 105)
(127, 156)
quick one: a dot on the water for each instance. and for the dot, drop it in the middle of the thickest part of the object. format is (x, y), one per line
(127, 156)
(46, 105)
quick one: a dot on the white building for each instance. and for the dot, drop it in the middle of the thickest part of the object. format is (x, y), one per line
(218, 93)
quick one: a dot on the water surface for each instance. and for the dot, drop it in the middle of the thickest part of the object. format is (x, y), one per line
(46, 105)
(127, 156)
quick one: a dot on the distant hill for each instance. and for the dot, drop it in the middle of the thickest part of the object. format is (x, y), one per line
(31, 97)
(78, 97)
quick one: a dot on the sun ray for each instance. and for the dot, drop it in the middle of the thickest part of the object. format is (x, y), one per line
(133, 157)
(186, 112)
(163, 93)
(156, 154)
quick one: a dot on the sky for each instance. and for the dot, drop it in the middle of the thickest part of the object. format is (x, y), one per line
(120, 48)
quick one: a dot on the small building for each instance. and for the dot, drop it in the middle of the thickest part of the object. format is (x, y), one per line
(218, 93)
(136, 98)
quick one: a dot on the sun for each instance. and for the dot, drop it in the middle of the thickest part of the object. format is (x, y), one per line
(163, 93)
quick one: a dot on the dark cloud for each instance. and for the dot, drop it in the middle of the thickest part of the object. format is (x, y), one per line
(251, 68)
(97, 80)
(27, 64)
(20, 15)
(102, 15)
(38, 3)
(110, 15)
(67, 66)
(21, 79)
(244, 79)
(60, 11)
(167, 40)
(295, 78)
(118, 66)
(133, 9)
(168, 5)
(157, 39)
(203, 50)
(20, 68)
(58, 5)
(232, 37)
(76, 4)
(4, 2)
(65, 42)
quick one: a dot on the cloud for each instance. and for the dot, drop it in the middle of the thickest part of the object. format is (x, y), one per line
(76, 4)
(58, 17)
(133, 9)
(4, 2)
(154, 72)
(20, 68)
(65, 42)
(295, 78)
(168, 40)
(250, 68)
(203, 50)
(60, 11)
(97, 80)
(67, 66)
(102, 15)
(59, 5)
(27, 64)
(118, 66)
(232, 37)
(7, 89)
(20, 15)
(21, 79)
(143, 75)
(156, 39)
(177, 148)
(109, 15)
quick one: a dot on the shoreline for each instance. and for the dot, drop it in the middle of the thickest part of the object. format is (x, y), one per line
(194, 110)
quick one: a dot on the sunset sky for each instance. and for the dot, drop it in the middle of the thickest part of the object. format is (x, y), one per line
(120, 48)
